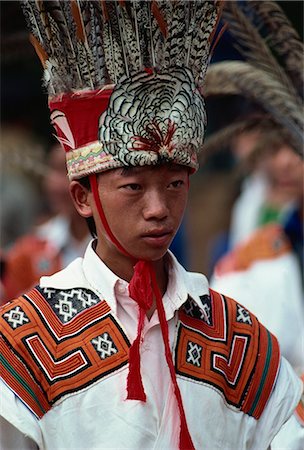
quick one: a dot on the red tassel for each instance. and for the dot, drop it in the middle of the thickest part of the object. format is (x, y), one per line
(135, 386)
(185, 441)
(140, 288)
(141, 291)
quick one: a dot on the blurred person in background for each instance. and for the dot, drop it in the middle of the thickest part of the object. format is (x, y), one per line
(248, 185)
(60, 236)
(274, 180)
(21, 157)
(65, 229)
(253, 180)
(265, 267)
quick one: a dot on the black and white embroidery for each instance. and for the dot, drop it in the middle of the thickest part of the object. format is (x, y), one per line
(194, 354)
(207, 309)
(204, 313)
(242, 315)
(67, 303)
(65, 309)
(104, 345)
(16, 317)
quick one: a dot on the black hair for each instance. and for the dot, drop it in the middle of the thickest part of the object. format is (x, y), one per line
(85, 182)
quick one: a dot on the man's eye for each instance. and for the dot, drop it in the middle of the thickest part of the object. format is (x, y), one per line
(132, 187)
(177, 183)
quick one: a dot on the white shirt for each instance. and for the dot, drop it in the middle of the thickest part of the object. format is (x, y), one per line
(99, 417)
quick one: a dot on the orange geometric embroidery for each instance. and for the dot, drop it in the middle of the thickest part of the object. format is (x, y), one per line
(216, 329)
(231, 367)
(55, 368)
(239, 357)
(17, 377)
(45, 359)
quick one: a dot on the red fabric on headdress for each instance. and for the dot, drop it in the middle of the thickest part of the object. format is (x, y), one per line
(76, 116)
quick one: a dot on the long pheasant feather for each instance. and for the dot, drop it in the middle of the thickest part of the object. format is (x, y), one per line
(81, 32)
(205, 20)
(241, 78)
(252, 45)
(282, 38)
(92, 43)
(33, 21)
(39, 50)
(93, 21)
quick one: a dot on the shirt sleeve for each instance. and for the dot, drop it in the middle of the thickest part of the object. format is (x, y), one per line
(291, 436)
(18, 420)
(11, 438)
(280, 406)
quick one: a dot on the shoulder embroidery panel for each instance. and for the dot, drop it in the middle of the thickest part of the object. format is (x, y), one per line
(223, 344)
(56, 342)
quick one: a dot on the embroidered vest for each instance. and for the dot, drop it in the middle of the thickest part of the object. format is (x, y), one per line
(59, 341)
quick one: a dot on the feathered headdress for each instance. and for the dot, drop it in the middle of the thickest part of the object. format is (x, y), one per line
(123, 81)
(272, 73)
(122, 78)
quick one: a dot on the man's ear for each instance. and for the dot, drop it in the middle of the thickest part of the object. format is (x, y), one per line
(81, 198)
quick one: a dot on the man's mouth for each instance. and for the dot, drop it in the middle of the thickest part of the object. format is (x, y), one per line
(158, 237)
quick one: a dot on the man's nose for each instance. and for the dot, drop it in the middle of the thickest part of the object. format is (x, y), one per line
(156, 206)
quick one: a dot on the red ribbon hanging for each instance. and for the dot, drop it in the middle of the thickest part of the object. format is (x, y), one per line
(143, 288)
(140, 290)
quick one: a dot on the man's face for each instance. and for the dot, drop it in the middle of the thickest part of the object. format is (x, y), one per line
(285, 170)
(143, 206)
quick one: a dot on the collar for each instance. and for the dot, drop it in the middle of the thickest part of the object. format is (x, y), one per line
(181, 283)
(100, 277)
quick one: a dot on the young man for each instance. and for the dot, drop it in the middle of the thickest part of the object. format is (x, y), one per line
(124, 348)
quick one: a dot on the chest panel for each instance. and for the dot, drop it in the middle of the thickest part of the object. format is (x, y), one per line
(57, 345)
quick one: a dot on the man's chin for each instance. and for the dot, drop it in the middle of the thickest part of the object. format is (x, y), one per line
(152, 254)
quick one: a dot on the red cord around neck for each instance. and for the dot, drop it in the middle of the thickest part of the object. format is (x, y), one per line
(143, 288)
(94, 188)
